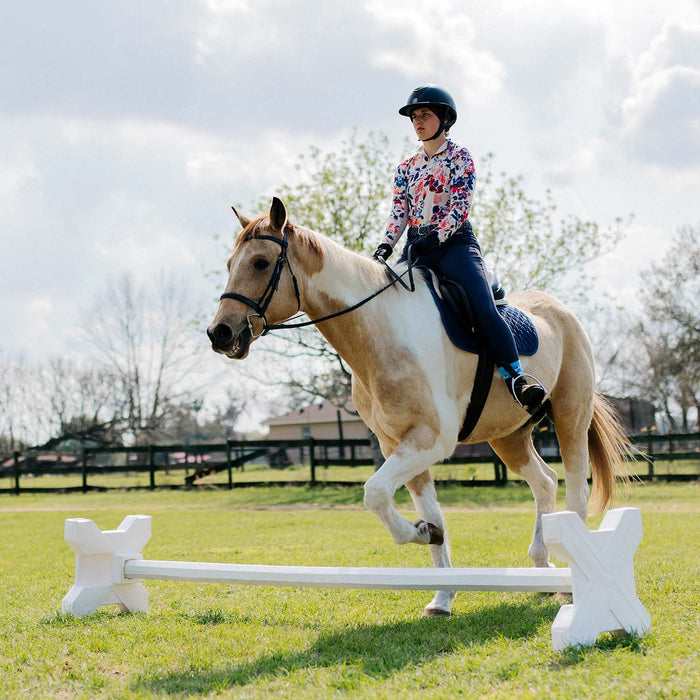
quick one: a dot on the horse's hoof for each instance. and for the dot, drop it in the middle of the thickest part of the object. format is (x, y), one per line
(436, 612)
(435, 533)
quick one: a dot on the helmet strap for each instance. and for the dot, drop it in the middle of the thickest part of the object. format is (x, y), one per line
(437, 133)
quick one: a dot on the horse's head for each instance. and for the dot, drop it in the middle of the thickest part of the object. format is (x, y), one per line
(261, 287)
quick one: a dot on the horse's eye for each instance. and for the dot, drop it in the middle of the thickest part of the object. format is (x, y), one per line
(261, 264)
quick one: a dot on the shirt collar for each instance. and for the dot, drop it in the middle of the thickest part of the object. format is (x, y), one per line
(443, 147)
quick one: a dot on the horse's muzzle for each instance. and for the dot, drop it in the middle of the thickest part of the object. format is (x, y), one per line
(226, 341)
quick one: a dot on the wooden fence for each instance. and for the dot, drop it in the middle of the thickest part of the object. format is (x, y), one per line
(195, 463)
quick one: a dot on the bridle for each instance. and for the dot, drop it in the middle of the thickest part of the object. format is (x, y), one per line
(261, 305)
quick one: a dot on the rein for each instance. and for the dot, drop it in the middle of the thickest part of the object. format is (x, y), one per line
(260, 306)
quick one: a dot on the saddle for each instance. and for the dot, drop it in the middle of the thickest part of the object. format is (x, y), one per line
(456, 300)
(458, 319)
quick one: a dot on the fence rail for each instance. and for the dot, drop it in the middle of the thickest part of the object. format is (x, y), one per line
(198, 463)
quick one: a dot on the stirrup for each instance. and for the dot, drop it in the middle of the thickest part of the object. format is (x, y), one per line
(530, 408)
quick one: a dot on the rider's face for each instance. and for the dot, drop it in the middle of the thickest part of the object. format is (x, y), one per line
(425, 122)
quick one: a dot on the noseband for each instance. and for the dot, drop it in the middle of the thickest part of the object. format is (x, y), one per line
(260, 306)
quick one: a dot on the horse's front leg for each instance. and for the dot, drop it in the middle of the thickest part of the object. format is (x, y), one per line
(414, 455)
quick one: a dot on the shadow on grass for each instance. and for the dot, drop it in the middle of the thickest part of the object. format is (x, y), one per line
(376, 651)
(573, 656)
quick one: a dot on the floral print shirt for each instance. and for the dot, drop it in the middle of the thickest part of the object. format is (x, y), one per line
(434, 190)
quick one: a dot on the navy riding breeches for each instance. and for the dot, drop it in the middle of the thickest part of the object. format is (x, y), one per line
(460, 260)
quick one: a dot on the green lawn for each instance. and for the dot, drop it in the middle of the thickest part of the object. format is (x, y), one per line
(203, 640)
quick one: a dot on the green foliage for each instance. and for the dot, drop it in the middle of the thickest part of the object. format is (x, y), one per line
(525, 241)
(215, 640)
(345, 193)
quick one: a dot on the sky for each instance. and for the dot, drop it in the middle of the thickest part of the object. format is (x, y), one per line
(127, 129)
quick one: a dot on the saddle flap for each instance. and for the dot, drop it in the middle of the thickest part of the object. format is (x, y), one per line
(456, 299)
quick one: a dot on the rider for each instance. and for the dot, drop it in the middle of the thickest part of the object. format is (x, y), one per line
(432, 196)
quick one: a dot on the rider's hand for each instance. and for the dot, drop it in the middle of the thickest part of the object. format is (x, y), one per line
(383, 251)
(425, 243)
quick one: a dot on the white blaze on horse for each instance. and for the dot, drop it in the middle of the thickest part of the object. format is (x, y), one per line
(412, 386)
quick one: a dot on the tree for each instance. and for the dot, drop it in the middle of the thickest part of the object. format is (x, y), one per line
(45, 405)
(141, 336)
(668, 334)
(13, 407)
(529, 245)
(346, 194)
(80, 401)
(343, 193)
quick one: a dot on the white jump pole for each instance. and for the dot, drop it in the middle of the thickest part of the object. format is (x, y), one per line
(109, 566)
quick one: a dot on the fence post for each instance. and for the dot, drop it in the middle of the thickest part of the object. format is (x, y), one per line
(501, 475)
(84, 470)
(228, 462)
(151, 465)
(312, 460)
(16, 466)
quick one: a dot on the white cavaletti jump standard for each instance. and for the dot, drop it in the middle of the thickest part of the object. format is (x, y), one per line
(109, 567)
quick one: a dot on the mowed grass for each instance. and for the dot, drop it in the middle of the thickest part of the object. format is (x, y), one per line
(209, 640)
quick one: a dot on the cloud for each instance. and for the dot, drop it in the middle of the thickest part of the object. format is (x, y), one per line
(226, 66)
(421, 43)
(127, 129)
(661, 120)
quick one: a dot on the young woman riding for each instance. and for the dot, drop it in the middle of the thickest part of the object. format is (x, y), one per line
(433, 191)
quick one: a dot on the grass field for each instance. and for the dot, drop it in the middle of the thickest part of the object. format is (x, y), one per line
(211, 640)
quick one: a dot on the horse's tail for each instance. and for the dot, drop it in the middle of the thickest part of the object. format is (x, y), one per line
(609, 450)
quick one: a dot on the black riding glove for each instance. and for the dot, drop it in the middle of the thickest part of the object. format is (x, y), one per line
(425, 243)
(383, 252)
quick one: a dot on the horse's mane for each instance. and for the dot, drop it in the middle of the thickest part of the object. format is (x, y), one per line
(317, 245)
(301, 235)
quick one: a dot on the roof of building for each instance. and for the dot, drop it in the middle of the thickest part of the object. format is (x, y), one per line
(325, 412)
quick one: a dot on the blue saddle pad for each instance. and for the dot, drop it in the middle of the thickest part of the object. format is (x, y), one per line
(522, 328)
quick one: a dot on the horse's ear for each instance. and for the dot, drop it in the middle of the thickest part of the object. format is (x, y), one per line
(278, 214)
(244, 220)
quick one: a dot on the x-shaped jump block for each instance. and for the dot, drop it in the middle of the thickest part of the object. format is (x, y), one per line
(99, 565)
(601, 561)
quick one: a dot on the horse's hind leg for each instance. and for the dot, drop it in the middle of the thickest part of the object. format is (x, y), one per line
(519, 454)
(422, 490)
(571, 422)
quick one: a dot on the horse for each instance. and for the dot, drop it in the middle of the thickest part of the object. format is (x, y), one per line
(411, 385)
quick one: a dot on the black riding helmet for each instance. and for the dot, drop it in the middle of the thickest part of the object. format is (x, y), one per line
(437, 99)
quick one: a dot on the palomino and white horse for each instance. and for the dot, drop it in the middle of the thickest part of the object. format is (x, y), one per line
(411, 385)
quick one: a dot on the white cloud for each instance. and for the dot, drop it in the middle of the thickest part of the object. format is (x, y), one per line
(40, 307)
(421, 42)
(37, 314)
(127, 130)
(661, 114)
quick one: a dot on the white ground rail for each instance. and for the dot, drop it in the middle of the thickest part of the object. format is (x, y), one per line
(109, 566)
